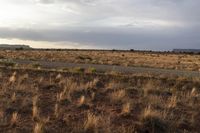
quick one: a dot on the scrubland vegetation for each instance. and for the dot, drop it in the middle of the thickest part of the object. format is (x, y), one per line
(123, 58)
(59, 102)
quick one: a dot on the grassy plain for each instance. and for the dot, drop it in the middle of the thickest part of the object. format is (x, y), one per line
(124, 58)
(41, 100)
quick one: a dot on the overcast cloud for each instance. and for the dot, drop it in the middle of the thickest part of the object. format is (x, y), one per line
(119, 24)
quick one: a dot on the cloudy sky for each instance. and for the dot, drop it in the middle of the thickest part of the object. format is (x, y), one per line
(107, 24)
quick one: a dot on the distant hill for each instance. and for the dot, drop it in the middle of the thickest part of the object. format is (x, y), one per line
(186, 50)
(15, 46)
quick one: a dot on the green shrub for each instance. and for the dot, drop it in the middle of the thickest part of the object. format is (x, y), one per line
(79, 69)
(36, 65)
(92, 70)
(8, 63)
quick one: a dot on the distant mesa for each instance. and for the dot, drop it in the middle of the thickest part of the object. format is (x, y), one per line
(186, 50)
(15, 46)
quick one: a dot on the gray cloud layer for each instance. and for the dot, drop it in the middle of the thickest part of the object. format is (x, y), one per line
(121, 38)
(140, 24)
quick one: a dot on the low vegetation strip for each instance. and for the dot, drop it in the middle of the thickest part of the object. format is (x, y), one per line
(109, 68)
(164, 60)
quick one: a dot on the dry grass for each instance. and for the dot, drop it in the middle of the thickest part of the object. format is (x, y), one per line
(149, 112)
(12, 79)
(56, 110)
(91, 122)
(81, 101)
(153, 121)
(35, 110)
(172, 102)
(13, 97)
(38, 128)
(14, 119)
(118, 95)
(126, 108)
(148, 59)
(96, 103)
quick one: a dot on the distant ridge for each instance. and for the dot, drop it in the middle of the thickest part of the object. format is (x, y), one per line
(14, 46)
(186, 50)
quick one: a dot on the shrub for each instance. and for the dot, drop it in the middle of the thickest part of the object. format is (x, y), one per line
(152, 121)
(92, 70)
(36, 65)
(79, 69)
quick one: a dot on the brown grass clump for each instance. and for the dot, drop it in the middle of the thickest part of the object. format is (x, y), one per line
(81, 101)
(152, 121)
(13, 97)
(38, 128)
(172, 102)
(1, 114)
(12, 79)
(35, 111)
(58, 77)
(148, 111)
(60, 96)
(150, 89)
(14, 119)
(91, 122)
(56, 110)
(126, 108)
(194, 92)
(118, 95)
(92, 83)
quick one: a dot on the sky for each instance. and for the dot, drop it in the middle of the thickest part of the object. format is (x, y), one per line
(101, 24)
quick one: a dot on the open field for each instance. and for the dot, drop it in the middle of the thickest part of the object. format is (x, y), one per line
(50, 101)
(99, 91)
(123, 58)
